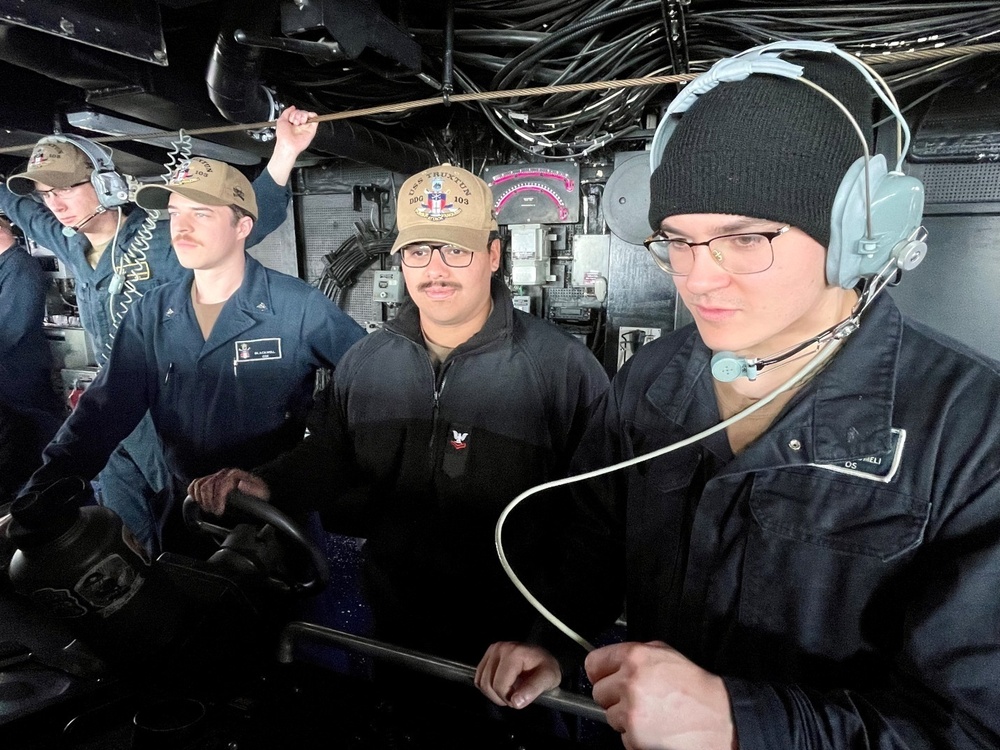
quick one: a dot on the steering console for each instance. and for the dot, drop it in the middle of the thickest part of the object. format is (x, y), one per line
(255, 549)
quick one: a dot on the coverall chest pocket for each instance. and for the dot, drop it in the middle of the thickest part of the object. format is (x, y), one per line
(265, 386)
(859, 517)
(262, 371)
(820, 554)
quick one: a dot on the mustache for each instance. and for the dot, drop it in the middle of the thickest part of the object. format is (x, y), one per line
(428, 284)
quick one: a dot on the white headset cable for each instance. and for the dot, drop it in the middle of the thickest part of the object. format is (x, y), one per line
(821, 357)
(136, 252)
(113, 326)
(873, 286)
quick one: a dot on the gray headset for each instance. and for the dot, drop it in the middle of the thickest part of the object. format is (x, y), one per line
(876, 213)
(112, 189)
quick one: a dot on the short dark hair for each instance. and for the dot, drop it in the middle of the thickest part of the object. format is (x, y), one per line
(239, 213)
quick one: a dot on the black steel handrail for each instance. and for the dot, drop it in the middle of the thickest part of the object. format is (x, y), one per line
(454, 671)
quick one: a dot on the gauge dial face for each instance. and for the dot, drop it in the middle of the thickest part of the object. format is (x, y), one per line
(535, 193)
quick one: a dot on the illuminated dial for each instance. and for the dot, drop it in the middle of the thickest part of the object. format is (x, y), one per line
(535, 194)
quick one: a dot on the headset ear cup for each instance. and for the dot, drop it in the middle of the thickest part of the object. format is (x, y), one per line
(111, 187)
(847, 227)
(850, 255)
(897, 206)
(897, 212)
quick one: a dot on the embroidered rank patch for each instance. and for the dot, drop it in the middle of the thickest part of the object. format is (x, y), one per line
(877, 468)
(256, 350)
(456, 451)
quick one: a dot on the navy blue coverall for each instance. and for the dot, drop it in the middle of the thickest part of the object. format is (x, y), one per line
(135, 472)
(238, 399)
(32, 412)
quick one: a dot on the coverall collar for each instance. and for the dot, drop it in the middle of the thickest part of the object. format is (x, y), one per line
(248, 304)
(844, 412)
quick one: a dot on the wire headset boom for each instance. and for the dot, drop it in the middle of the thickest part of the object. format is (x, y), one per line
(875, 225)
(112, 189)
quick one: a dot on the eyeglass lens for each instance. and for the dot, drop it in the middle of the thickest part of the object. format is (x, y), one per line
(419, 256)
(738, 253)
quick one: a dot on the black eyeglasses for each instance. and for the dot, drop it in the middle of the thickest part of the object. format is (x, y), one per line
(419, 256)
(61, 192)
(747, 252)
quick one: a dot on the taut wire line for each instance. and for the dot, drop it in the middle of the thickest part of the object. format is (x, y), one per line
(478, 96)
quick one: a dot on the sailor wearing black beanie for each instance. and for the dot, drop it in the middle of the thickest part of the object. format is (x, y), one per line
(814, 564)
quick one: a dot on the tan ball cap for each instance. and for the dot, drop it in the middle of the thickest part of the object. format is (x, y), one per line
(445, 204)
(213, 183)
(54, 163)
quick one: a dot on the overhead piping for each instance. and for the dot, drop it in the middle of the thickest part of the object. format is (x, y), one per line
(235, 87)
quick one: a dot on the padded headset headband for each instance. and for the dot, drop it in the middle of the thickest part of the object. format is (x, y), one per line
(100, 158)
(765, 59)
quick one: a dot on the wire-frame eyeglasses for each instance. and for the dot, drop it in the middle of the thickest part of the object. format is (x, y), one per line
(61, 192)
(746, 252)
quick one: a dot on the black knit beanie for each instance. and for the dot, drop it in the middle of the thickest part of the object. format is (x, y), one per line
(766, 147)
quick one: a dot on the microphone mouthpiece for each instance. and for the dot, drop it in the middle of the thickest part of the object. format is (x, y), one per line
(727, 367)
(70, 231)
